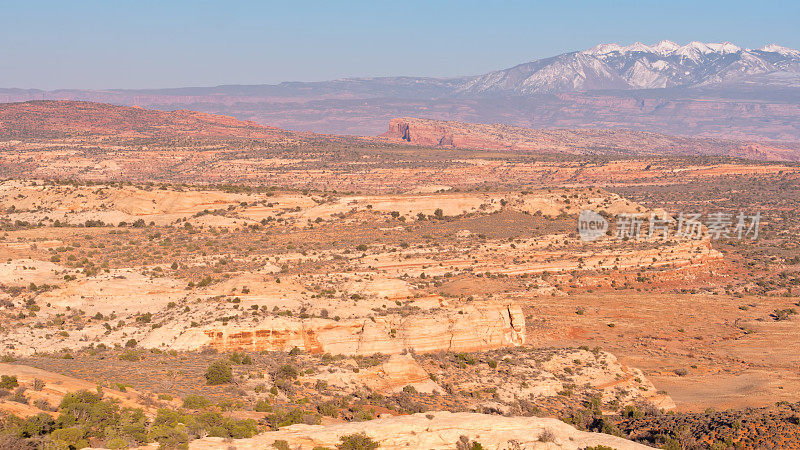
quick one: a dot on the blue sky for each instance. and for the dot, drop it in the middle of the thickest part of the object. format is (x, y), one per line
(137, 44)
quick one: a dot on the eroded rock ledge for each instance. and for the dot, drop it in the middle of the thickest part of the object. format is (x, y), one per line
(467, 328)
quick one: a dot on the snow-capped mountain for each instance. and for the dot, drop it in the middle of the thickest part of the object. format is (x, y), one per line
(639, 66)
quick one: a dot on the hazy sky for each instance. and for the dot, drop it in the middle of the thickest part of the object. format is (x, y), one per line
(135, 44)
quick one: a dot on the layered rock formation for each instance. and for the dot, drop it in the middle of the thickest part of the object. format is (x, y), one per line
(467, 328)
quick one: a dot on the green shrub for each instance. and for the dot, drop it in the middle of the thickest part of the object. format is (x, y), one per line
(170, 436)
(465, 358)
(129, 355)
(262, 406)
(37, 425)
(358, 441)
(286, 417)
(116, 443)
(69, 438)
(85, 416)
(173, 426)
(329, 409)
(219, 372)
(240, 358)
(8, 382)
(194, 401)
(286, 372)
(281, 444)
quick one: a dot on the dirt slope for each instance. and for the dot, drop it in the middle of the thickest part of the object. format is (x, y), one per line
(73, 119)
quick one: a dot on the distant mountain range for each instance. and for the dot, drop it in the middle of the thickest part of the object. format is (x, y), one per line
(639, 66)
(697, 89)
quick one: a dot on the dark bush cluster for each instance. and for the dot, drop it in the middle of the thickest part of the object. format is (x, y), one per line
(85, 416)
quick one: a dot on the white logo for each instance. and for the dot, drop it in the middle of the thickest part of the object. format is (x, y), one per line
(591, 226)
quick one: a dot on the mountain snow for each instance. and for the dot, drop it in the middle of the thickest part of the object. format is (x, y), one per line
(641, 66)
(775, 48)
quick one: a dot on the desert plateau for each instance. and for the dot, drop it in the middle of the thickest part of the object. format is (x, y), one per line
(345, 287)
(464, 226)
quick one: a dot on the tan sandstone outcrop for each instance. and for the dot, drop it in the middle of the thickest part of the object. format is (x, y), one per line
(471, 327)
(392, 376)
(438, 430)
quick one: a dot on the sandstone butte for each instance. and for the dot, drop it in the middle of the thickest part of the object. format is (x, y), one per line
(434, 430)
(449, 134)
(472, 327)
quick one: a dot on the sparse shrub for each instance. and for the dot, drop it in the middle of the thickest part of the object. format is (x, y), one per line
(464, 443)
(43, 404)
(19, 396)
(194, 401)
(129, 355)
(8, 382)
(547, 435)
(783, 314)
(144, 318)
(466, 358)
(329, 409)
(262, 406)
